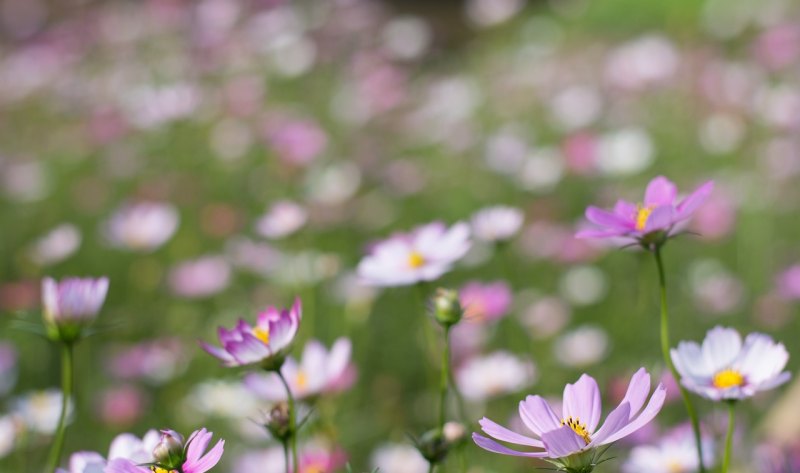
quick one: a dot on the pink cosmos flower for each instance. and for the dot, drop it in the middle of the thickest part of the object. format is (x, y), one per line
(319, 371)
(192, 457)
(266, 343)
(485, 302)
(71, 304)
(142, 227)
(724, 368)
(425, 254)
(202, 277)
(569, 439)
(658, 215)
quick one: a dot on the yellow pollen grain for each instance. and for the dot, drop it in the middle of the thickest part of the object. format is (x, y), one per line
(642, 214)
(415, 260)
(156, 469)
(675, 467)
(262, 333)
(575, 424)
(728, 379)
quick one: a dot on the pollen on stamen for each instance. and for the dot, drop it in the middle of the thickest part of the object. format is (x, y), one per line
(575, 424)
(728, 379)
(262, 334)
(642, 214)
(415, 259)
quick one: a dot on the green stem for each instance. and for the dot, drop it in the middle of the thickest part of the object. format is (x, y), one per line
(292, 423)
(286, 456)
(665, 348)
(66, 394)
(445, 380)
(431, 467)
(726, 461)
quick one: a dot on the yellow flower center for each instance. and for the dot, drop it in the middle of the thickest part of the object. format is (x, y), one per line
(415, 259)
(156, 469)
(675, 467)
(261, 333)
(301, 380)
(728, 379)
(579, 428)
(314, 468)
(642, 214)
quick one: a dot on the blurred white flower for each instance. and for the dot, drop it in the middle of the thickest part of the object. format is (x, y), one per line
(495, 374)
(582, 347)
(39, 411)
(398, 458)
(576, 107)
(722, 133)
(495, 224)
(8, 434)
(625, 152)
(143, 226)
(57, 245)
(546, 317)
(584, 285)
(150, 106)
(224, 399)
(283, 218)
(642, 62)
(24, 181)
(506, 150)
(407, 37)
(334, 184)
(485, 13)
(258, 258)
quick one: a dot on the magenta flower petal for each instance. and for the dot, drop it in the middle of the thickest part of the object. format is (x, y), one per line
(660, 191)
(660, 219)
(506, 435)
(582, 401)
(492, 446)
(537, 415)
(638, 389)
(604, 218)
(563, 442)
(688, 205)
(616, 420)
(645, 417)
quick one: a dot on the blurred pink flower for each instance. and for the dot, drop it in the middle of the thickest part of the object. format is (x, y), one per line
(56, 245)
(8, 367)
(297, 141)
(283, 218)
(484, 377)
(155, 361)
(313, 457)
(319, 371)
(716, 218)
(122, 406)
(485, 302)
(496, 224)
(779, 46)
(788, 283)
(202, 277)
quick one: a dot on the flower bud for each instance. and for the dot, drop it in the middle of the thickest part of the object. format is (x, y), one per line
(277, 421)
(169, 450)
(446, 307)
(432, 446)
(70, 305)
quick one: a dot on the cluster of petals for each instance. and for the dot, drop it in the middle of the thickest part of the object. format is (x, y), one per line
(425, 254)
(319, 371)
(266, 341)
(577, 428)
(661, 211)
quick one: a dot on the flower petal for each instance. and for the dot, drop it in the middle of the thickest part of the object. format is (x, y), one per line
(721, 347)
(694, 200)
(660, 191)
(648, 414)
(563, 442)
(506, 435)
(582, 401)
(537, 415)
(492, 446)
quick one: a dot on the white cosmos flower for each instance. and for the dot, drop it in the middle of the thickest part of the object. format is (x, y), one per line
(498, 373)
(724, 368)
(675, 452)
(142, 227)
(498, 223)
(39, 411)
(425, 254)
(398, 458)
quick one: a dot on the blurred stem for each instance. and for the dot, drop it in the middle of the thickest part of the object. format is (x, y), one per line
(292, 424)
(66, 393)
(285, 444)
(445, 380)
(431, 467)
(726, 460)
(665, 347)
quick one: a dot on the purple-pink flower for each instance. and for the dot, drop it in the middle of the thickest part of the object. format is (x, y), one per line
(265, 344)
(71, 304)
(568, 438)
(656, 218)
(191, 457)
(485, 302)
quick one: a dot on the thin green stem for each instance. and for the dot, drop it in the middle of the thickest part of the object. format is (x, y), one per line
(286, 456)
(665, 349)
(54, 458)
(431, 467)
(726, 460)
(445, 380)
(292, 423)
